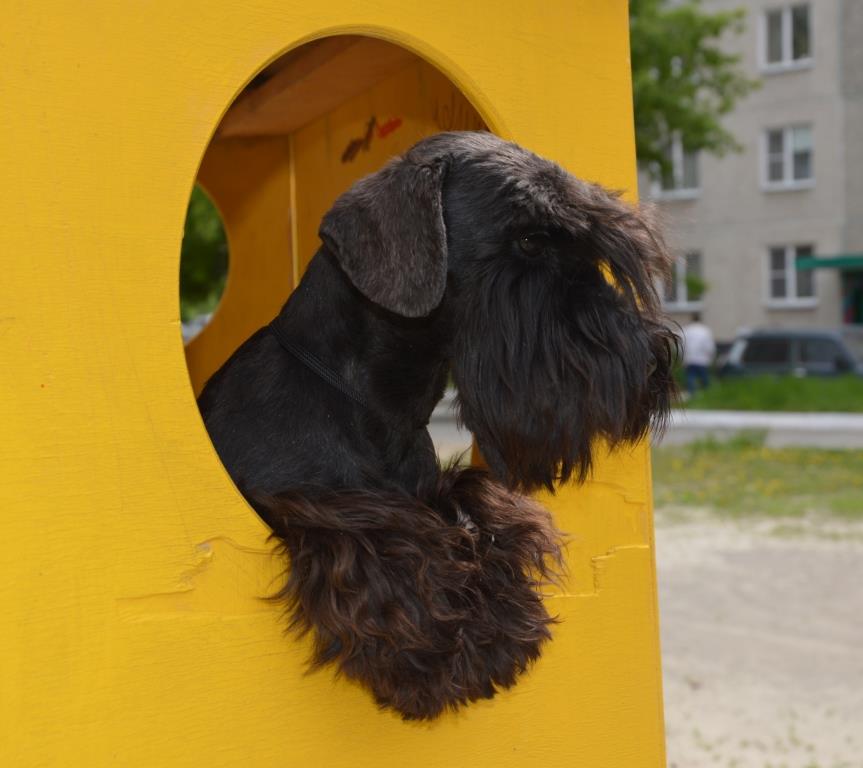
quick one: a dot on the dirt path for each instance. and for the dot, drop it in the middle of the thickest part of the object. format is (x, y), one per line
(762, 635)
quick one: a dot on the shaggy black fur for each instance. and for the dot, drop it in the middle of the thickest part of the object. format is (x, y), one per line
(538, 290)
(433, 601)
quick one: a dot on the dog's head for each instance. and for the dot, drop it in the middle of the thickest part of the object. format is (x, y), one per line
(550, 283)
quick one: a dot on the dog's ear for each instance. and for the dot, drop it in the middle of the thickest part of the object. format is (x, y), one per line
(387, 232)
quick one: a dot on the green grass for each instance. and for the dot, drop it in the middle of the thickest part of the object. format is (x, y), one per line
(742, 477)
(782, 393)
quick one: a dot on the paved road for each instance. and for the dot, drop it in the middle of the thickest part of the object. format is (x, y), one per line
(817, 430)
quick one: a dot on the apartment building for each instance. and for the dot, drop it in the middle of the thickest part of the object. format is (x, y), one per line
(774, 234)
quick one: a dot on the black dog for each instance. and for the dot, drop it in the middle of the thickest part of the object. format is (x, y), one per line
(536, 290)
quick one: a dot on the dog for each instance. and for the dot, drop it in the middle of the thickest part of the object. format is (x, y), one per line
(468, 256)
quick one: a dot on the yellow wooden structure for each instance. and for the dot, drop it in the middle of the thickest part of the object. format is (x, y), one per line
(132, 632)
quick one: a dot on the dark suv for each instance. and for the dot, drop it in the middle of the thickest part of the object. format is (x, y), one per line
(797, 353)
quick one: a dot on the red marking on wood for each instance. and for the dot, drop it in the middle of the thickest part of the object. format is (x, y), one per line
(388, 127)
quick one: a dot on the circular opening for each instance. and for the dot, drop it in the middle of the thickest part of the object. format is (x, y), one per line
(304, 129)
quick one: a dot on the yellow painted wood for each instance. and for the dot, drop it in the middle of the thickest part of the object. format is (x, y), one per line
(131, 629)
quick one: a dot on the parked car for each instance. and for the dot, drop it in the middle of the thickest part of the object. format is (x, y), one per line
(806, 352)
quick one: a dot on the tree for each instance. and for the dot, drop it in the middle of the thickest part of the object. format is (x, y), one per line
(683, 82)
(203, 257)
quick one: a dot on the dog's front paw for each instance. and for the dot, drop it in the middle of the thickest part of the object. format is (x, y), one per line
(431, 603)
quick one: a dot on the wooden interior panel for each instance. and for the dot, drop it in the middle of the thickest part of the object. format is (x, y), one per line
(273, 190)
(310, 82)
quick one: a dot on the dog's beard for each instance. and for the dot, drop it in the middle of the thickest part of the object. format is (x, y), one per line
(545, 364)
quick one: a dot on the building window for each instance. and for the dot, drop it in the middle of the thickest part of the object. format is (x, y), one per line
(787, 38)
(680, 178)
(788, 157)
(685, 288)
(786, 284)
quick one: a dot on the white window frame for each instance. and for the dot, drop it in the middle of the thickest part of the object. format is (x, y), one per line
(679, 192)
(787, 64)
(788, 183)
(791, 300)
(686, 305)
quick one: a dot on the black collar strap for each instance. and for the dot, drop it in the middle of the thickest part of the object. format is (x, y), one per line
(316, 366)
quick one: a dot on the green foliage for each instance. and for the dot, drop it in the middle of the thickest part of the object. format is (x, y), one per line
(696, 287)
(683, 83)
(203, 259)
(744, 477)
(782, 393)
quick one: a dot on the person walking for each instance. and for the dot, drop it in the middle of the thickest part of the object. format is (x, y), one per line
(698, 351)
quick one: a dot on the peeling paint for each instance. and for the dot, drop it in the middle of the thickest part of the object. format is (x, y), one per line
(198, 589)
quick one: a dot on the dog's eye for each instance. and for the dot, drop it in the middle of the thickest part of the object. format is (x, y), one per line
(534, 244)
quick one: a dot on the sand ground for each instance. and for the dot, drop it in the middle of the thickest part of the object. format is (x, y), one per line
(762, 641)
